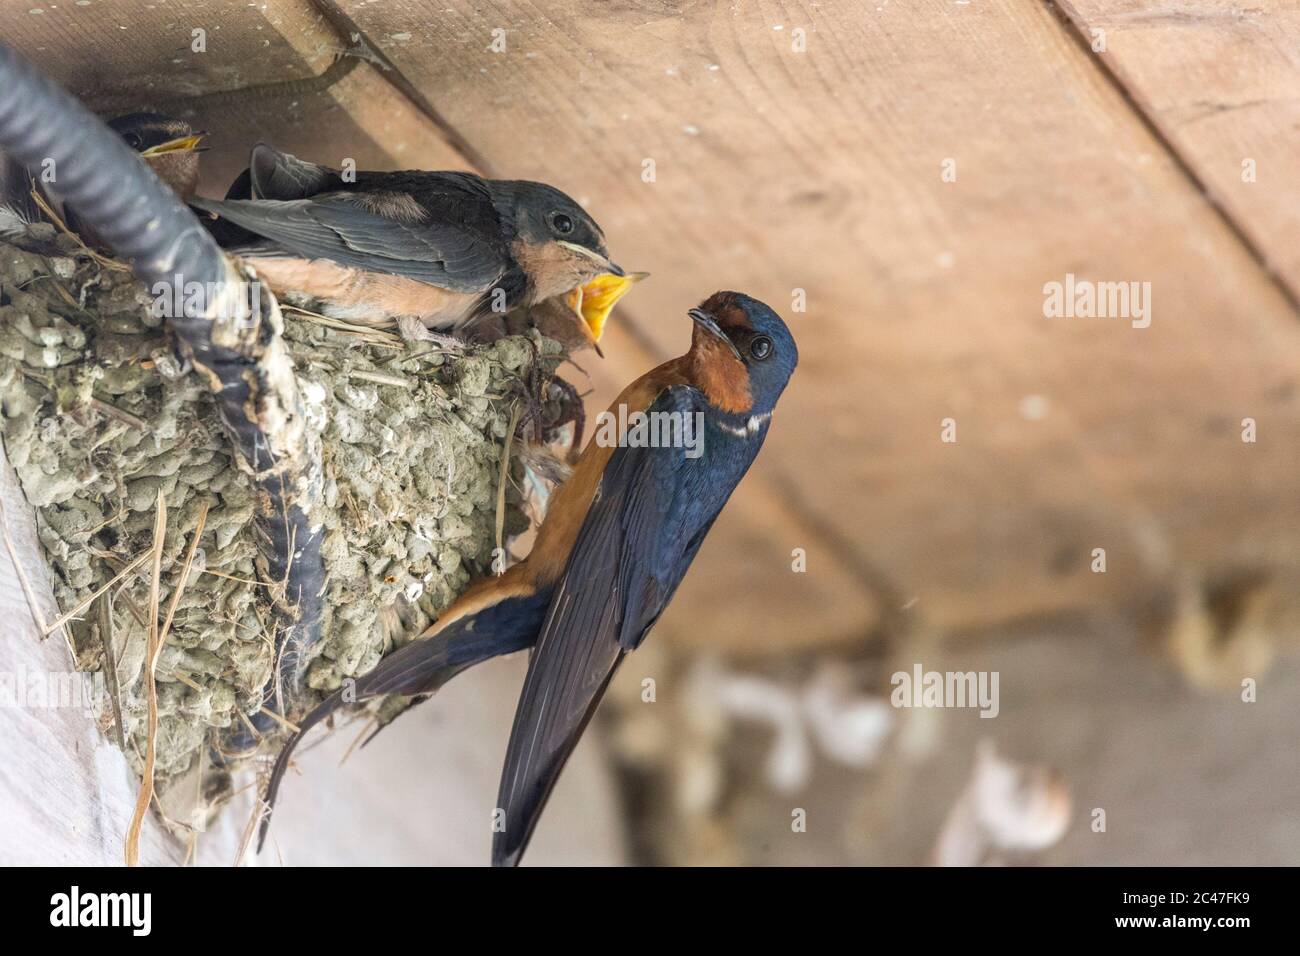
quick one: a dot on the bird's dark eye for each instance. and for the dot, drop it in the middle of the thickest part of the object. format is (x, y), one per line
(133, 140)
(563, 224)
(760, 348)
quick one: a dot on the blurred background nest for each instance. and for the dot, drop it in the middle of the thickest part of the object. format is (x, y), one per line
(900, 181)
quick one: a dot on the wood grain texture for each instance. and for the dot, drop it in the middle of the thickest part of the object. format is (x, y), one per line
(1219, 81)
(126, 55)
(778, 170)
(361, 117)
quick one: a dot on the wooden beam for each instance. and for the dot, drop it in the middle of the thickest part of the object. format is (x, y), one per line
(129, 55)
(1219, 83)
(777, 171)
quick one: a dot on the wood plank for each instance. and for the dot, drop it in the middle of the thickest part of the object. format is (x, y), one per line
(1219, 82)
(360, 117)
(126, 55)
(821, 171)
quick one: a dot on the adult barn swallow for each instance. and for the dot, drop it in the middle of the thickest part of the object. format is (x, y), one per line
(617, 540)
(443, 248)
(168, 145)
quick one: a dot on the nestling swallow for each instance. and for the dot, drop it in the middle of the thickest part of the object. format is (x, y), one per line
(616, 542)
(438, 248)
(168, 145)
(575, 319)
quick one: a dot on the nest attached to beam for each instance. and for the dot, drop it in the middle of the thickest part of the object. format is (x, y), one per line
(99, 416)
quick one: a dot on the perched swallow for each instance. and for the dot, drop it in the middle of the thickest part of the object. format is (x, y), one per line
(170, 146)
(440, 249)
(616, 542)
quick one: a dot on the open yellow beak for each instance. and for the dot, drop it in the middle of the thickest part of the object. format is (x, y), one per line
(183, 144)
(594, 301)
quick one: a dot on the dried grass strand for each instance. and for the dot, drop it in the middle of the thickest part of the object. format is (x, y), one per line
(110, 668)
(62, 226)
(150, 666)
(86, 602)
(185, 574)
(504, 477)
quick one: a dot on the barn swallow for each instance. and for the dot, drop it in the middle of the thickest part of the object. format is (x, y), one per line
(616, 542)
(168, 145)
(575, 319)
(440, 249)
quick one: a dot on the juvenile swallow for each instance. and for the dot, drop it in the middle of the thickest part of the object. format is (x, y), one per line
(412, 248)
(616, 542)
(575, 319)
(168, 145)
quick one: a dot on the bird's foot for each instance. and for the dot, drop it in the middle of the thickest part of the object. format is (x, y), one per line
(413, 330)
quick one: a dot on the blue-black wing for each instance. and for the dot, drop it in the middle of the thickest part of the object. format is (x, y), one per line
(421, 668)
(338, 226)
(652, 510)
(273, 174)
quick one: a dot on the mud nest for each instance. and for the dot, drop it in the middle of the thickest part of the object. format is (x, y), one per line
(100, 415)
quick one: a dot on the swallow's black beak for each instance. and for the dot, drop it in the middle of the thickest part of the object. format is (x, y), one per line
(709, 324)
(616, 269)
